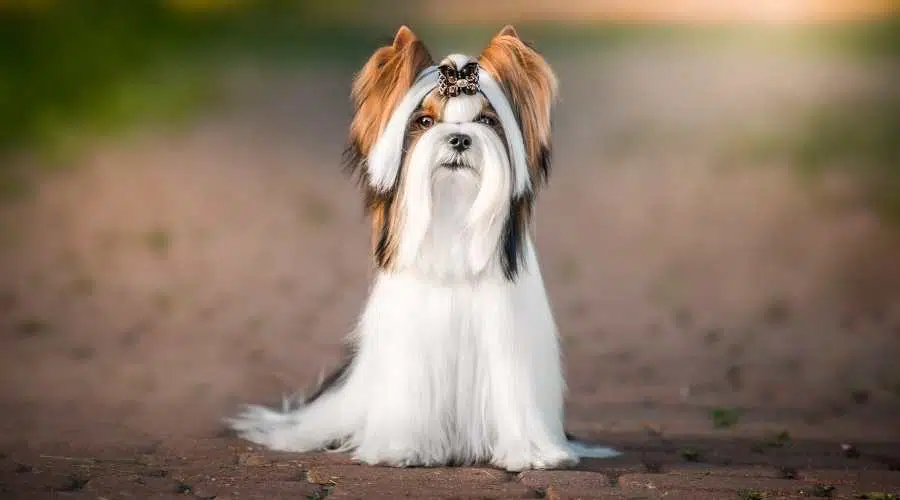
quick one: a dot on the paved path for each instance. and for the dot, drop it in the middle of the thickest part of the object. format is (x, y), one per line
(652, 467)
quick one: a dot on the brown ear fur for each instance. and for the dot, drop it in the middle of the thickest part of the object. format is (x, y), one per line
(377, 90)
(379, 86)
(531, 85)
(508, 30)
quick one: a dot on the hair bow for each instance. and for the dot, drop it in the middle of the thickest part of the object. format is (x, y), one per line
(453, 81)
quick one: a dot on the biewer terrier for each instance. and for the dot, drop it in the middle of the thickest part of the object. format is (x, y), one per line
(455, 358)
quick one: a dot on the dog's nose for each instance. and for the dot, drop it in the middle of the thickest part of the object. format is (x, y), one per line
(460, 142)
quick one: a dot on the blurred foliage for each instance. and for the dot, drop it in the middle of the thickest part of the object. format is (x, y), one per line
(878, 40)
(94, 65)
(859, 40)
(75, 68)
(860, 137)
(863, 132)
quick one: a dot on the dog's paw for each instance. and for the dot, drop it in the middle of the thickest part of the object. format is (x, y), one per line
(525, 459)
(396, 456)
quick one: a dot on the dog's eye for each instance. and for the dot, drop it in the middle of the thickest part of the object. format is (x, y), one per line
(486, 120)
(425, 121)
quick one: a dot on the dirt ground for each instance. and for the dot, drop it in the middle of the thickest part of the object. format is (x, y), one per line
(176, 274)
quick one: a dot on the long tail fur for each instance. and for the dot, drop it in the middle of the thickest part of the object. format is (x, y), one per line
(327, 434)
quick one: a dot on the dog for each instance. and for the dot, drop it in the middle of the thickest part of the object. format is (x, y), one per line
(455, 359)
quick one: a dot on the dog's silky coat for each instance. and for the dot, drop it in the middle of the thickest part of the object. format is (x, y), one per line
(455, 358)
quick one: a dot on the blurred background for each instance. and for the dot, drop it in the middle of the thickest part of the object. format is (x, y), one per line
(719, 237)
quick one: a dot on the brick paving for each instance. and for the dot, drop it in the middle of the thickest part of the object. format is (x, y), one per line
(226, 468)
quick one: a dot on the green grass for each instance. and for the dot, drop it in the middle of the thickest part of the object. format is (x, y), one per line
(691, 455)
(823, 490)
(724, 418)
(749, 494)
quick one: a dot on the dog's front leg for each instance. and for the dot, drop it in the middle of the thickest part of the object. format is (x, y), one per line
(525, 377)
(404, 362)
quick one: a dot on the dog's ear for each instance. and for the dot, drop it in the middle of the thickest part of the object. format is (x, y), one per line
(404, 37)
(531, 86)
(508, 30)
(379, 86)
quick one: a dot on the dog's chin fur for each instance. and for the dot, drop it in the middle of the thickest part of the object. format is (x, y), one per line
(452, 218)
(455, 361)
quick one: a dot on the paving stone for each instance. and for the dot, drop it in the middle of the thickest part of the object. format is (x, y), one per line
(253, 459)
(823, 462)
(309, 459)
(708, 482)
(855, 482)
(761, 471)
(240, 452)
(382, 491)
(637, 463)
(129, 485)
(269, 472)
(253, 489)
(563, 492)
(199, 447)
(46, 485)
(43, 481)
(243, 482)
(619, 494)
(437, 477)
(882, 478)
(575, 479)
(216, 468)
(358, 481)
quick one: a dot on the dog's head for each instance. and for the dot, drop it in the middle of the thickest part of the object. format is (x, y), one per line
(479, 124)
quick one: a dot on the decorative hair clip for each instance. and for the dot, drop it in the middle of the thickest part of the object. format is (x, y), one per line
(453, 82)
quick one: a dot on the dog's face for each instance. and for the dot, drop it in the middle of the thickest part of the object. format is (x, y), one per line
(481, 125)
(456, 133)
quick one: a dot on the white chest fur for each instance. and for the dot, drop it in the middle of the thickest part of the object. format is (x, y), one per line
(443, 252)
(467, 372)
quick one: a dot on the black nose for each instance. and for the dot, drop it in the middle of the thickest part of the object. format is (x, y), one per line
(460, 142)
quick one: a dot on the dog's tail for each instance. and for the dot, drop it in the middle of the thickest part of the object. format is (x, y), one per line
(586, 450)
(319, 421)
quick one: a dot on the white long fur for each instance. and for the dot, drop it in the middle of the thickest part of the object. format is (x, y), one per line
(453, 219)
(455, 363)
(383, 162)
